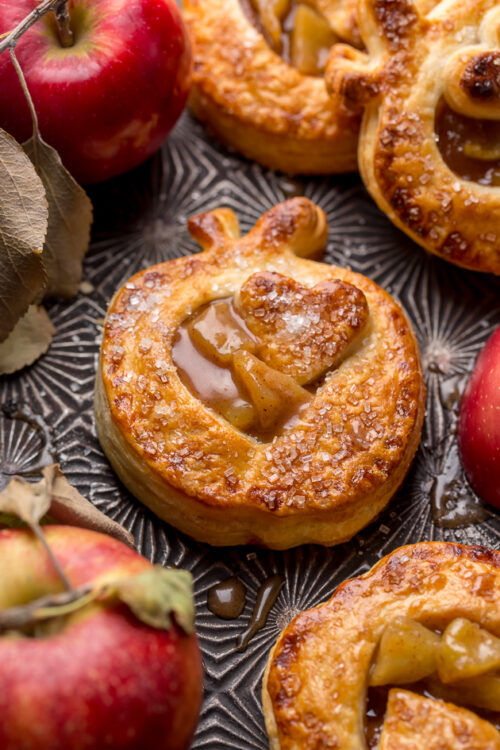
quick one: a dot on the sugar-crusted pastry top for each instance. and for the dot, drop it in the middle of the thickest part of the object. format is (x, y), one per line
(310, 325)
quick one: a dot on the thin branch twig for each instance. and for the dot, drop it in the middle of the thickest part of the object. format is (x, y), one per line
(39, 609)
(10, 40)
(55, 562)
(24, 86)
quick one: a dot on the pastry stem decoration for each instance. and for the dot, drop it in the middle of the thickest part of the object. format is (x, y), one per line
(251, 394)
(426, 617)
(429, 92)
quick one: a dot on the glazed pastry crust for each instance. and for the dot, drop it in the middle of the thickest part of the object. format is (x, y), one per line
(414, 61)
(257, 103)
(316, 677)
(413, 722)
(321, 480)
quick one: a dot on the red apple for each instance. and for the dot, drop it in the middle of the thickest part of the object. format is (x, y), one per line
(479, 423)
(107, 102)
(105, 680)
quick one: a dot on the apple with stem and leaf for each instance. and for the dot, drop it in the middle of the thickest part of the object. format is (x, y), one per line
(98, 83)
(108, 79)
(97, 646)
(479, 423)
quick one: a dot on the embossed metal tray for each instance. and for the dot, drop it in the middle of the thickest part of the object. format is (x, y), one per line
(140, 219)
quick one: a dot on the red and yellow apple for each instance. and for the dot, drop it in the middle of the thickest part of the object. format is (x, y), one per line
(103, 679)
(479, 423)
(107, 102)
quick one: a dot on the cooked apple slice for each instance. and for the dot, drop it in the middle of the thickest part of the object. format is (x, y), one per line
(482, 691)
(483, 151)
(311, 41)
(467, 650)
(240, 413)
(413, 721)
(274, 395)
(407, 653)
(217, 333)
(271, 13)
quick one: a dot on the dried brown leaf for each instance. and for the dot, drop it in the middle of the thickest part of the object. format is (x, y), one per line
(23, 225)
(70, 218)
(67, 506)
(30, 338)
(155, 595)
(29, 502)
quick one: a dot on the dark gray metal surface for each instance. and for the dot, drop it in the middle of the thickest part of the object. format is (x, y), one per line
(141, 220)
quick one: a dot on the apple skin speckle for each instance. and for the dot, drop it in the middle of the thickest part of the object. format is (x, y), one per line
(479, 423)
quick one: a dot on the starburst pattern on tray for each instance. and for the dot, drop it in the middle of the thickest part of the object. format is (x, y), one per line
(141, 220)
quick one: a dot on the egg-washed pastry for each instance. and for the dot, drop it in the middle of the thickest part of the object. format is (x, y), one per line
(248, 394)
(429, 149)
(258, 80)
(405, 657)
(414, 722)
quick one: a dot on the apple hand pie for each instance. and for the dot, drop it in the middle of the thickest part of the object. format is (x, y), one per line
(258, 80)
(426, 617)
(249, 394)
(429, 149)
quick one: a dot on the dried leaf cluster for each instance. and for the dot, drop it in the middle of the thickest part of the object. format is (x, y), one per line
(45, 219)
(155, 596)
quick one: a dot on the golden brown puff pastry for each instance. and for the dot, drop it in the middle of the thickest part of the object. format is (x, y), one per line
(255, 101)
(416, 723)
(329, 398)
(429, 149)
(420, 609)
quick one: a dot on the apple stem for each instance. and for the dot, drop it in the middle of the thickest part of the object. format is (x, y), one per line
(9, 41)
(55, 562)
(16, 618)
(24, 86)
(64, 31)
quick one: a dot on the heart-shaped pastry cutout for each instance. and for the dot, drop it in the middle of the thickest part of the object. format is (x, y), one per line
(301, 331)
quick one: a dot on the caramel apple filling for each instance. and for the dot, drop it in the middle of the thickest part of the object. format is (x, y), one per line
(254, 357)
(469, 146)
(213, 355)
(460, 665)
(296, 31)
